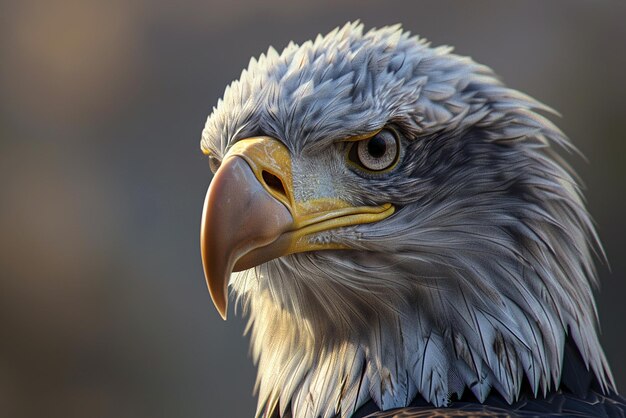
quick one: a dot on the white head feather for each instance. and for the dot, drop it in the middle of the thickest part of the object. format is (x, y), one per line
(478, 279)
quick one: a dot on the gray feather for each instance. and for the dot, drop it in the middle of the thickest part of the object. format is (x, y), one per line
(476, 280)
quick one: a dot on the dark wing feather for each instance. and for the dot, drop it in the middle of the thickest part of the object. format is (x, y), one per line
(558, 404)
(469, 411)
(576, 377)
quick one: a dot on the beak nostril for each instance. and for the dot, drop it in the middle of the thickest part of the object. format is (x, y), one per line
(274, 183)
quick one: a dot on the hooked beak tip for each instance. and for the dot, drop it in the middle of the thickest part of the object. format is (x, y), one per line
(223, 312)
(239, 216)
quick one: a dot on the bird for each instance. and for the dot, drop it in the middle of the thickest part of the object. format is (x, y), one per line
(403, 234)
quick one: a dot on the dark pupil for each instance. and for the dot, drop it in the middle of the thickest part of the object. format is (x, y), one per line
(376, 147)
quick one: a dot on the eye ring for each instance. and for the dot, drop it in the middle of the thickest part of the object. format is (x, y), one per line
(378, 153)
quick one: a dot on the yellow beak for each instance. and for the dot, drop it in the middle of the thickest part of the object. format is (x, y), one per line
(250, 215)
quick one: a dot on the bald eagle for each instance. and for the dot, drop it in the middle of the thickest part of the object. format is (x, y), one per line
(402, 235)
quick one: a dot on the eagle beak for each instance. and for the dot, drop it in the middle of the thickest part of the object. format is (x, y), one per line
(250, 215)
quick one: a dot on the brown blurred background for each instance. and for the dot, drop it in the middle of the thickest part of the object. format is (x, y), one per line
(103, 306)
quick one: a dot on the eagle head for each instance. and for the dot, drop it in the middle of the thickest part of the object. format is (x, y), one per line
(396, 223)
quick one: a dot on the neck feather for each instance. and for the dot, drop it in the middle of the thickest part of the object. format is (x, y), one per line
(439, 342)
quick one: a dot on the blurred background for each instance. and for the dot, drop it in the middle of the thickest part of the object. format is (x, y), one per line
(103, 307)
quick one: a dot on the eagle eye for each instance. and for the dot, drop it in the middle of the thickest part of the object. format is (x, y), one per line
(377, 153)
